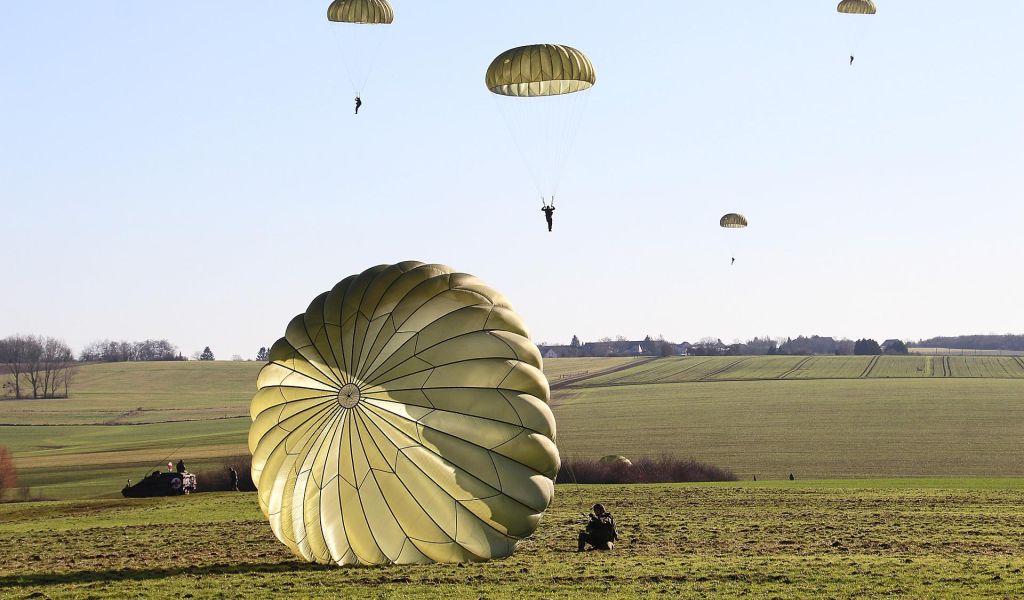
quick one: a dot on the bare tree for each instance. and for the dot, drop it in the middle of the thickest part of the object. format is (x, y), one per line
(46, 363)
(57, 358)
(32, 364)
(13, 352)
(66, 376)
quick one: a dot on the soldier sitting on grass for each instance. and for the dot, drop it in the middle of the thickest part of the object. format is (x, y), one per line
(600, 532)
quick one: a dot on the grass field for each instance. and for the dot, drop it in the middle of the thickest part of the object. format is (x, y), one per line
(824, 417)
(815, 429)
(941, 538)
(965, 352)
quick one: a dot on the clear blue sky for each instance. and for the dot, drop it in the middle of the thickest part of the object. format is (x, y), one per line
(192, 170)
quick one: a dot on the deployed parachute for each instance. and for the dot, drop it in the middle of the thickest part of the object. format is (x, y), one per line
(361, 12)
(855, 30)
(403, 419)
(857, 7)
(615, 459)
(733, 221)
(540, 90)
(360, 40)
(540, 70)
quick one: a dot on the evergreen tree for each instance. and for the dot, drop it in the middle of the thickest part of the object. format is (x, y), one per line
(263, 354)
(898, 347)
(866, 347)
(207, 354)
(575, 343)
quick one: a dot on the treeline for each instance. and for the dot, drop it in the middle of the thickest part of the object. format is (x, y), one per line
(40, 367)
(974, 342)
(124, 351)
(798, 346)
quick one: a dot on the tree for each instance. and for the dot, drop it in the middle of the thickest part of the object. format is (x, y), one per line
(263, 355)
(46, 364)
(897, 347)
(575, 343)
(109, 351)
(8, 474)
(207, 354)
(13, 352)
(866, 347)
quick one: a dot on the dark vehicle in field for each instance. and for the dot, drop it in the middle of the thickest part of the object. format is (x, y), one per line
(160, 483)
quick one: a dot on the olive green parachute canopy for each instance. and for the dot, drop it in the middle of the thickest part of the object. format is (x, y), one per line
(540, 70)
(363, 12)
(403, 419)
(733, 221)
(857, 7)
(615, 459)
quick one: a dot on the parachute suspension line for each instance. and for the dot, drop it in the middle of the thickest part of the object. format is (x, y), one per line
(544, 131)
(372, 62)
(508, 118)
(359, 44)
(571, 130)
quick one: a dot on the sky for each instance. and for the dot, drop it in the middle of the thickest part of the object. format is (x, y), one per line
(193, 170)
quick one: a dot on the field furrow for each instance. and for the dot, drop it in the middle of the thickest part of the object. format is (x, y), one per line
(795, 368)
(870, 367)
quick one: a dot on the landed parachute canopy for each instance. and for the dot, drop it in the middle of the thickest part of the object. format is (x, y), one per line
(363, 12)
(615, 459)
(733, 221)
(403, 419)
(540, 70)
(857, 7)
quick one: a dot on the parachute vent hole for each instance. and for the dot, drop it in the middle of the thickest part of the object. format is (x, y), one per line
(349, 395)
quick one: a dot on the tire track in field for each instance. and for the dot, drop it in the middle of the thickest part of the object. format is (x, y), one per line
(947, 367)
(681, 371)
(795, 368)
(716, 372)
(568, 381)
(870, 367)
(1020, 361)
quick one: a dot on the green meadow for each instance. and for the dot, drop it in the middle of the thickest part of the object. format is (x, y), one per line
(817, 417)
(937, 538)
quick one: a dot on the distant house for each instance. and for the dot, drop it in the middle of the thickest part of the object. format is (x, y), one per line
(551, 353)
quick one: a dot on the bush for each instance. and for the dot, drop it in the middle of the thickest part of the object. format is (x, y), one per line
(8, 474)
(664, 469)
(218, 480)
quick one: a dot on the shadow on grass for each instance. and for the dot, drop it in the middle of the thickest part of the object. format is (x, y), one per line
(111, 575)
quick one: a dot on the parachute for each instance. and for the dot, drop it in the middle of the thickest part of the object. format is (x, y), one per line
(404, 419)
(733, 221)
(857, 7)
(540, 90)
(540, 70)
(615, 459)
(361, 12)
(360, 43)
(855, 30)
